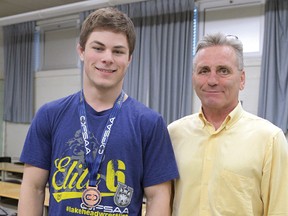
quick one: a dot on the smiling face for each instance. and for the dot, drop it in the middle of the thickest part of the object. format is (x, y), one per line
(217, 79)
(106, 59)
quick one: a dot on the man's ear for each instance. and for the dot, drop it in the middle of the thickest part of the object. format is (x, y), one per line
(80, 52)
(130, 59)
(243, 79)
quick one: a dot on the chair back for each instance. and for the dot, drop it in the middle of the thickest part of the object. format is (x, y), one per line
(5, 159)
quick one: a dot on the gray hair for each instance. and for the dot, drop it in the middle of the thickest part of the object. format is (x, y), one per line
(222, 40)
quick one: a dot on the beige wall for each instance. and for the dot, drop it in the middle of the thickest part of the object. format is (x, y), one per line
(54, 84)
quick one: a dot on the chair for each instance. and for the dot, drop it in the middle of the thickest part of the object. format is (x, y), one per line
(15, 181)
(5, 159)
(19, 163)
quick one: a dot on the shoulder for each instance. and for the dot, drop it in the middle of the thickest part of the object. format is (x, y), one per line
(263, 130)
(140, 111)
(142, 118)
(57, 108)
(184, 121)
(259, 124)
(61, 103)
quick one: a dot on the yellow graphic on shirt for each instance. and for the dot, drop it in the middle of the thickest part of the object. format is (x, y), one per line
(73, 181)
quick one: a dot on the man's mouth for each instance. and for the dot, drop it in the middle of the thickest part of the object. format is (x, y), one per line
(105, 70)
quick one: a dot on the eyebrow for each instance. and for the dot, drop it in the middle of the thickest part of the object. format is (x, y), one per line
(101, 44)
(225, 66)
(203, 67)
(222, 66)
(97, 42)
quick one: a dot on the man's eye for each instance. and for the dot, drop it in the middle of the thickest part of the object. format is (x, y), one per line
(119, 52)
(223, 71)
(203, 71)
(98, 48)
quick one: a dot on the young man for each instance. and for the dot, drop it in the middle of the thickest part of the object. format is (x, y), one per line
(99, 149)
(230, 161)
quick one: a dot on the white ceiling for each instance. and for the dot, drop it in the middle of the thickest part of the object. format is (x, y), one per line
(18, 11)
(14, 7)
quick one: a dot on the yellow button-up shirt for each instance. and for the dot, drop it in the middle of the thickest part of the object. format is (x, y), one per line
(239, 169)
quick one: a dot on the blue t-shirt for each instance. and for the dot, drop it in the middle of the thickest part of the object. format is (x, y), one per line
(138, 154)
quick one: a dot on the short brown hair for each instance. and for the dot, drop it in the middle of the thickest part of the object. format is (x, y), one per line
(108, 19)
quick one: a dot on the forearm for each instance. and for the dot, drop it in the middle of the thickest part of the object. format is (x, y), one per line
(158, 207)
(32, 194)
(31, 202)
(158, 199)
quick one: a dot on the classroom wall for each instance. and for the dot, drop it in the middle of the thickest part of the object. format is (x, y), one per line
(1, 94)
(49, 85)
(11, 135)
(53, 84)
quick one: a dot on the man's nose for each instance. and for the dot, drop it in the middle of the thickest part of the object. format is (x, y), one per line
(212, 78)
(107, 57)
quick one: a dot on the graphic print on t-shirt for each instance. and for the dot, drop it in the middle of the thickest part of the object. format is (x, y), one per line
(71, 175)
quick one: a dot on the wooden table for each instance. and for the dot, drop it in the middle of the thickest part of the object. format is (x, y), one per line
(12, 191)
(6, 168)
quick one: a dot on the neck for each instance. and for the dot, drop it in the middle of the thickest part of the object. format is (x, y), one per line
(215, 117)
(100, 100)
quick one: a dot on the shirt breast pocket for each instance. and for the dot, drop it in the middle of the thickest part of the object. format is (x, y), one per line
(233, 194)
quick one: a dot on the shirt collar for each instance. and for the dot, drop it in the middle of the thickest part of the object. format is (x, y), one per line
(231, 118)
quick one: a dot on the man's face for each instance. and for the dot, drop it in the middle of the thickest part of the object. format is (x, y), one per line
(217, 79)
(106, 59)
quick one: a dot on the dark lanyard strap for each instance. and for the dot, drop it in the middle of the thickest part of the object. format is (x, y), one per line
(93, 166)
